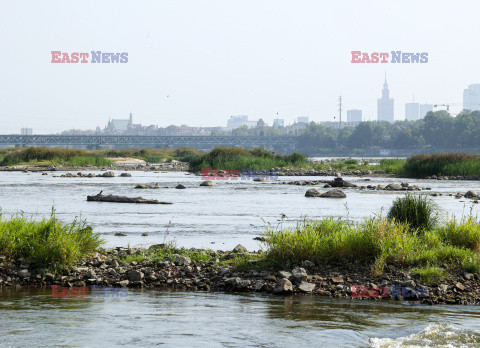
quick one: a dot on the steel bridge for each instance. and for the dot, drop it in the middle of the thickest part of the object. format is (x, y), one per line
(286, 143)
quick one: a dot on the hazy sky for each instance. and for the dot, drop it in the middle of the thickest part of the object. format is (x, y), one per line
(198, 62)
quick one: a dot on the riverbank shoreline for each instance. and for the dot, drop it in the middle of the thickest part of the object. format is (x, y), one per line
(240, 271)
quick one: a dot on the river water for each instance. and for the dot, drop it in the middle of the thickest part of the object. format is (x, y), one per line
(151, 317)
(219, 218)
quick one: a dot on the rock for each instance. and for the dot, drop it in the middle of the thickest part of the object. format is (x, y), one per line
(306, 287)
(460, 286)
(180, 186)
(282, 286)
(144, 234)
(471, 194)
(135, 276)
(90, 274)
(284, 274)
(123, 283)
(120, 234)
(224, 271)
(394, 187)
(181, 260)
(122, 199)
(299, 274)
(335, 193)
(24, 265)
(109, 174)
(443, 288)
(208, 183)
(232, 282)
(313, 193)
(308, 264)
(240, 249)
(24, 273)
(337, 280)
(243, 284)
(125, 175)
(469, 276)
(339, 182)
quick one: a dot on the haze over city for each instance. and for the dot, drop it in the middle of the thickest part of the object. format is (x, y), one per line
(201, 63)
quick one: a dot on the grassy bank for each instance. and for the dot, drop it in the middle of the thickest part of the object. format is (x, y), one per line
(79, 158)
(413, 241)
(378, 242)
(238, 158)
(46, 243)
(442, 164)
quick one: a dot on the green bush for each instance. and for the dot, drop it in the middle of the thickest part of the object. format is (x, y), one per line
(419, 212)
(48, 242)
(465, 233)
(376, 242)
(239, 158)
(442, 164)
(430, 274)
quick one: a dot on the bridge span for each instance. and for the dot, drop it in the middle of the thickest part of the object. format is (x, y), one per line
(278, 143)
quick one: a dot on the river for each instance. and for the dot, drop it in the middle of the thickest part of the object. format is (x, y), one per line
(151, 317)
(219, 218)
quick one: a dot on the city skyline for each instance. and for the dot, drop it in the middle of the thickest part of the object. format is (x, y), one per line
(199, 63)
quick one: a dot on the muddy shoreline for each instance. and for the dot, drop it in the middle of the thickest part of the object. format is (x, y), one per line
(336, 280)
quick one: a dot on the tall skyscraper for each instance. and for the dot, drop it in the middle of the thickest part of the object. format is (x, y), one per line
(471, 97)
(424, 109)
(385, 105)
(354, 115)
(412, 111)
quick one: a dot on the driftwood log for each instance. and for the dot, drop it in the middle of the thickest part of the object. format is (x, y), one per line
(122, 199)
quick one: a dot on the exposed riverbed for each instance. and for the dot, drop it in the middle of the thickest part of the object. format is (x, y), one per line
(217, 217)
(220, 217)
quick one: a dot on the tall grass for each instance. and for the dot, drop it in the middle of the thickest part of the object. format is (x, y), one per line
(238, 158)
(444, 164)
(392, 165)
(77, 157)
(465, 233)
(419, 212)
(375, 242)
(72, 157)
(48, 242)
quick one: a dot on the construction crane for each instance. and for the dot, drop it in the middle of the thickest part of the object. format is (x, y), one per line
(447, 105)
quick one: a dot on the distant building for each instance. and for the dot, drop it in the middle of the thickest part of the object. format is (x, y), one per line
(303, 119)
(354, 115)
(471, 97)
(26, 131)
(425, 109)
(119, 125)
(279, 122)
(240, 121)
(385, 105)
(412, 111)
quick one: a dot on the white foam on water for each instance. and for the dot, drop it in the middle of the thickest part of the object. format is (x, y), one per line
(434, 335)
